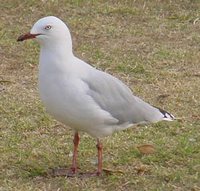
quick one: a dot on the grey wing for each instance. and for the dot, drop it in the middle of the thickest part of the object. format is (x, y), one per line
(116, 98)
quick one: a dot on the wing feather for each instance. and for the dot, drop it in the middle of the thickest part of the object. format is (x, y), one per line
(116, 98)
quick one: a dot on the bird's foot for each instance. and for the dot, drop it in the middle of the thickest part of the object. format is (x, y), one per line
(64, 172)
(72, 172)
(90, 174)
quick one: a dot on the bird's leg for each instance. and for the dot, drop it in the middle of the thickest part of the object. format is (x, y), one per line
(74, 168)
(99, 168)
(99, 149)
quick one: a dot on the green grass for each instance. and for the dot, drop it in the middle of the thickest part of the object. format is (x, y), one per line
(153, 46)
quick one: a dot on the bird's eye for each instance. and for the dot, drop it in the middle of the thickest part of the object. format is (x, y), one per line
(48, 27)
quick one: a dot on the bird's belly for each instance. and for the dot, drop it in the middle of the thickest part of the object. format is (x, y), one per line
(57, 104)
(67, 108)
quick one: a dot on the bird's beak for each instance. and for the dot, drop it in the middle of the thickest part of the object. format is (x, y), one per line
(27, 36)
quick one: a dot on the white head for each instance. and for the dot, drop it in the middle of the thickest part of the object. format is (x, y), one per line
(48, 31)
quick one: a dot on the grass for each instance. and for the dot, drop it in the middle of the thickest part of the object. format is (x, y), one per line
(153, 46)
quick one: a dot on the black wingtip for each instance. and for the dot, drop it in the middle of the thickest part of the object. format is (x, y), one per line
(166, 114)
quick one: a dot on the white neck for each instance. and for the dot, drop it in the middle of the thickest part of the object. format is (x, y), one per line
(56, 56)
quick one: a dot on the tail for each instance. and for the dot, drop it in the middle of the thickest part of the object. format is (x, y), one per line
(166, 115)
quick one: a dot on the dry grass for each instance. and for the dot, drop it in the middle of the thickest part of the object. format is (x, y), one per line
(153, 46)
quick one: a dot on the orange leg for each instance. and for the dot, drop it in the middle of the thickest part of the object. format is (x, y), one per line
(99, 168)
(99, 149)
(73, 170)
(74, 167)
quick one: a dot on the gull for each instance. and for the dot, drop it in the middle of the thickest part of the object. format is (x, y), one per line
(82, 97)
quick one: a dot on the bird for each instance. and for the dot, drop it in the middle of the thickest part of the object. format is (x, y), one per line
(81, 96)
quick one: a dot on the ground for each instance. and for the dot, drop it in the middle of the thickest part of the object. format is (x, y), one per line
(153, 46)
